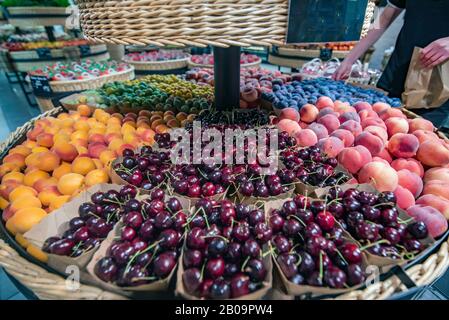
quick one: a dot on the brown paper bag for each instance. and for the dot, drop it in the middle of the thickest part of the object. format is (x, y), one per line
(426, 88)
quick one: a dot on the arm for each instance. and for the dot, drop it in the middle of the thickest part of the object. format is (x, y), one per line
(381, 24)
(435, 53)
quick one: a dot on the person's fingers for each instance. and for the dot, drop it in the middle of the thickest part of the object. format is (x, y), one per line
(437, 62)
(428, 55)
(429, 62)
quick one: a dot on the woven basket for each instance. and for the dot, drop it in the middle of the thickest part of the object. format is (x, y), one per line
(255, 64)
(289, 62)
(309, 53)
(189, 22)
(33, 19)
(158, 65)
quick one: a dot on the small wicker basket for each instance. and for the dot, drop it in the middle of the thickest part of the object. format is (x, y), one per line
(158, 65)
(255, 64)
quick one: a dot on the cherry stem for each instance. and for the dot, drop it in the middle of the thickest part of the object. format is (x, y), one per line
(341, 256)
(299, 220)
(244, 264)
(392, 204)
(215, 236)
(321, 265)
(383, 241)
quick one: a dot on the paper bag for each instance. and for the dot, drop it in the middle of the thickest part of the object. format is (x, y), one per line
(425, 88)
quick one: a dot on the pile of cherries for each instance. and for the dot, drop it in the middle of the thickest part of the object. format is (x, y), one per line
(373, 219)
(313, 168)
(245, 119)
(197, 181)
(96, 219)
(223, 257)
(145, 170)
(251, 182)
(149, 243)
(164, 141)
(311, 248)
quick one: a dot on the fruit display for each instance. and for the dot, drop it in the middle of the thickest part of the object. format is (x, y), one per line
(33, 45)
(311, 247)
(159, 55)
(208, 59)
(243, 119)
(35, 3)
(84, 70)
(223, 256)
(94, 222)
(337, 46)
(297, 94)
(147, 246)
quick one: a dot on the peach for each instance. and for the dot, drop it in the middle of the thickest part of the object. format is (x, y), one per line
(420, 124)
(81, 126)
(107, 156)
(392, 113)
(39, 149)
(396, 125)
(29, 144)
(34, 175)
(437, 173)
(96, 137)
(436, 202)
(79, 135)
(84, 110)
(96, 176)
(305, 138)
(58, 202)
(48, 161)
(410, 181)
(67, 123)
(14, 175)
(324, 102)
(404, 198)
(354, 158)
(362, 105)
(433, 154)
(342, 107)
(412, 165)
(345, 136)
(287, 125)
(65, 151)
(320, 130)
(21, 191)
(16, 158)
(308, 113)
(373, 143)
(47, 195)
(402, 145)
(33, 133)
(424, 135)
(353, 126)
(45, 140)
(434, 220)
(330, 121)
(331, 146)
(70, 183)
(327, 111)
(379, 159)
(368, 114)
(20, 149)
(381, 107)
(382, 176)
(61, 137)
(373, 122)
(95, 149)
(289, 113)
(437, 188)
(378, 131)
(25, 219)
(82, 165)
(385, 155)
(349, 116)
(148, 136)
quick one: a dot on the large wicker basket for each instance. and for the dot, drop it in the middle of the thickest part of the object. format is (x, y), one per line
(47, 285)
(37, 16)
(189, 22)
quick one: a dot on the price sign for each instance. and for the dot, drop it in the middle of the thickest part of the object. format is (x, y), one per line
(44, 53)
(41, 86)
(318, 21)
(84, 50)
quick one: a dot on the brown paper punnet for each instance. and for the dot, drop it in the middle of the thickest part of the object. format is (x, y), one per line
(55, 223)
(425, 88)
(139, 291)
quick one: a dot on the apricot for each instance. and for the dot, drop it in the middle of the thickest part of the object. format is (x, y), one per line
(162, 128)
(8, 167)
(95, 149)
(7, 187)
(34, 175)
(331, 146)
(305, 138)
(48, 161)
(320, 130)
(148, 135)
(16, 158)
(381, 107)
(20, 239)
(352, 126)
(24, 219)
(404, 198)
(14, 175)
(96, 176)
(434, 220)
(69, 183)
(362, 105)
(410, 181)
(420, 124)
(48, 195)
(354, 158)
(379, 132)
(107, 156)
(58, 202)
(61, 137)
(45, 140)
(412, 165)
(330, 121)
(382, 176)
(84, 110)
(3, 203)
(396, 125)
(21, 149)
(37, 253)
(403, 145)
(33, 133)
(433, 154)
(436, 202)
(67, 123)
(287, 125)
(373, 143)
(345, 136)
(308, 113)
(123, 147)
(41, 184)
(29, 144)
(65, 151)
(82, 165)
(25, 201)
(324, 102)
(424, 135)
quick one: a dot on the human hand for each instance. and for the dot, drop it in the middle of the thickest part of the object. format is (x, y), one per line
(435, 53)
(343, 71)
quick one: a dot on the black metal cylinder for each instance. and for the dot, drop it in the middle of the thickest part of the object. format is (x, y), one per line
(227, 77)
(50, 33)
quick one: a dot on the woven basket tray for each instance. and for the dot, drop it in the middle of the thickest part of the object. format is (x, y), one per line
(33, 19)
(189, 22)
(255, 64)
(158, 65)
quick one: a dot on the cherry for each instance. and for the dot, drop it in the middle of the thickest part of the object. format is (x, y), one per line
(220, 289)
(215, 268)
(307, 265)
(62, 247)
(413, 245)
(262, 191)
(313, 230)
(289, 208)
(97, 197)
(335, 278)
(195, 239)
(281, 243)
(163, 220)
(122, 253)
(418, 230)
(231, 269)
(367, 231)
(239, 285)
(217, 248)
(234, 251)
(256, 270)
(292, 227)
(263, 232)
(287, 263)
(180, 186)
(355, 274)
(204, 288)
(194, 191)
(154, 207)
(191, 279)
(251, 248)
(227, 215)
(337, 209)
(135, 178)
(192, 258)
(317, 206)
(81, 235)
(325, 220)
(370, 213)
(133, 219)
(164, 264)
(128, 192)
(179, 220)
(193, 180)
(76, 223)
(351, 204)
(392, 235)
(242, 211)
(241, 232)
(87, 209)
(136, 276)
(389, 217)
(208, 189)
(337, 236)
(315, 279)
(276, 222)
(353, 218)
(173, 205)
(301, 201)
(169, 239)
(276, 189)
(157, 194)
(98, 227)
(298, 279)
(255, 217)
(138, 244)
(106, 269)
(247, 189)
(315, 245)
(147, 230)
(351, 253)
(306, 216)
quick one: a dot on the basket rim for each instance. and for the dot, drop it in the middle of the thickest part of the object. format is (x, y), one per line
(186, 58)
